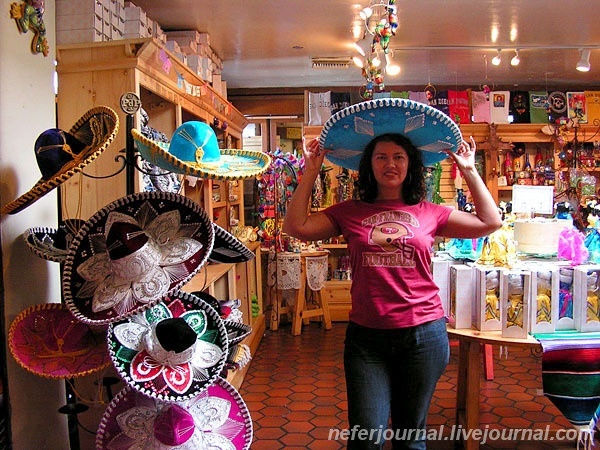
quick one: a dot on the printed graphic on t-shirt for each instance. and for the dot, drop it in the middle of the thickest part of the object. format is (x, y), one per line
(390, 230)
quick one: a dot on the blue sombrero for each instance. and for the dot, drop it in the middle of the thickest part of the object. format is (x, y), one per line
(194, 150)
(346, 134)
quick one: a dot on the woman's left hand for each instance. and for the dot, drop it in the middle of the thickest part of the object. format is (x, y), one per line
(464, 157)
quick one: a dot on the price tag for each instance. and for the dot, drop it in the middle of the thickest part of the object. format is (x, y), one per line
(533, 199)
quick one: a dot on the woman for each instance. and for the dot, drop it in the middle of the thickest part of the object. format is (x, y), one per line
(396, 345)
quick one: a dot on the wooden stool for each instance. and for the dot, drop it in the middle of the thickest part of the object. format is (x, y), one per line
(314, 276)
(284, 273)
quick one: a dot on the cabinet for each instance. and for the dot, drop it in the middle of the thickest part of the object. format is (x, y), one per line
(95, 74)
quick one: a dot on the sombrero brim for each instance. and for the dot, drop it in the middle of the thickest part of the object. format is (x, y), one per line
(48, 341)
(46, 243)
(228, 249)
(234, 164)
(146, 207)
(191, 380)
(220, 411)
(110, 126)
(346, 134)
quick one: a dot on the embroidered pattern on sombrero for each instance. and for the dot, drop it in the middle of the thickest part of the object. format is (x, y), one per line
(171, 351)
(132, 253)
(346, 134)
(217, 418)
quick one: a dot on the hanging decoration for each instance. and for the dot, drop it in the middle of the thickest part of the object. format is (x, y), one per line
(29, 17)
(381, 23)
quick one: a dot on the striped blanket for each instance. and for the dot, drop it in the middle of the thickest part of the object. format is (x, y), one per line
(571, 377)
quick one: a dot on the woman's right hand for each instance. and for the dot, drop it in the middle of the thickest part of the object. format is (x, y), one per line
(313, 155)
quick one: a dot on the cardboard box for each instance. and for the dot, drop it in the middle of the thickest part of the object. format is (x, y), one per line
(486, 302)
(586, 298)
(79, 36)
(462, 289)
(440, 269)
(515, 288)
(566, 319)
(544, 299)
(79, 22)
(69, 7)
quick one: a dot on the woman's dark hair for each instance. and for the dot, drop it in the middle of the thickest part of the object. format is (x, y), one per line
(413, 187)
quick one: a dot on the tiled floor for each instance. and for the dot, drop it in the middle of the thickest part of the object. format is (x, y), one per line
(295, 391)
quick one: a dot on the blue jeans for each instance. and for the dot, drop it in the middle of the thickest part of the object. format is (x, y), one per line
(392, 372)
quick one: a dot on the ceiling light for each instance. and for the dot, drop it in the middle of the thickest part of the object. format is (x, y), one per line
(358, 62)
(391, 68)
(366, 13)
(515, 59)
(364, 45)
(583, 65)
(496, 59)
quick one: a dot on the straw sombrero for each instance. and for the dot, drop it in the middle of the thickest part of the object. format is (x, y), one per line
(346, 134)
(228, 249)
(52, 244)
(133, 252)
(194, 150)
(60, 154)
(171, 351)
(218, 418)
(48, 341)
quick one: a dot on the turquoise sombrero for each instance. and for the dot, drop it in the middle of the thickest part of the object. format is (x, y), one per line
(346, 134)
(194, 150)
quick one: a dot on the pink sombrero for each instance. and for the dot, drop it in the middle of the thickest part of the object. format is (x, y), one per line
(217, 418)
(48, 341)
(61, 154)
(132, 253)
(171, 351)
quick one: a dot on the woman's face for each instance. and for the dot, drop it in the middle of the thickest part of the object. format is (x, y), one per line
(390, 165)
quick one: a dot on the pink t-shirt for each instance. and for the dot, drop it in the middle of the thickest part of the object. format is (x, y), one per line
(390, 245)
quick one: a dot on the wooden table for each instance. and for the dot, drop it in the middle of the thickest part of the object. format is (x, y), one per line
(300, 314)
(469, 373)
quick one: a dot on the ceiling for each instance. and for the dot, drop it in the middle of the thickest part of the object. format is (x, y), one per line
(271, 43)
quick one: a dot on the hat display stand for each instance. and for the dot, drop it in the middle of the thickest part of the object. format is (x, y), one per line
(226, 249)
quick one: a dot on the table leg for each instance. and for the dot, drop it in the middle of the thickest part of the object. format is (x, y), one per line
(467, 391)
(300, 301)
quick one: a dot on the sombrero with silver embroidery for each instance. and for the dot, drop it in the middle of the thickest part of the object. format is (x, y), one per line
(60, 154)
(52, 244)
(346, 134)
(228, 249)
(132, 253)
(48, 341)
(194, 150)
(173, 350)
(217, 418)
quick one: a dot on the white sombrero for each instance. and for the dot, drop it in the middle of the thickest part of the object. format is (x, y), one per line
(346, 134)
(194, 150)
(132, 253)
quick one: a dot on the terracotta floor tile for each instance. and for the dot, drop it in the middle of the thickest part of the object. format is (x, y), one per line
(295, 391)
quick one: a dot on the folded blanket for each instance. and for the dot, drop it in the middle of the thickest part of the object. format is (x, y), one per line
(571, 378)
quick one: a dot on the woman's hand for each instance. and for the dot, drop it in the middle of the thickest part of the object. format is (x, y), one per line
(464, 157)
(313, 155)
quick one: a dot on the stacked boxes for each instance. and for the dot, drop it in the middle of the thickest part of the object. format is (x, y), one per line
(89, 21)
(586, 302)
(515, 290)
(544, 298)
(200, 56)
(486, 303)
(462, 288)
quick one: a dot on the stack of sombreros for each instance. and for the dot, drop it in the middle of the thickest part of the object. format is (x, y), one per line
(122, 274)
